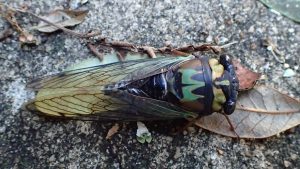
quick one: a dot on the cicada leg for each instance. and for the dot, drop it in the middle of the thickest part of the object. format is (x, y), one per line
(231, 126)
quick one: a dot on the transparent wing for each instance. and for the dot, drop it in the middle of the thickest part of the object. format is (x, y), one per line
(117, 105)
(120, 72)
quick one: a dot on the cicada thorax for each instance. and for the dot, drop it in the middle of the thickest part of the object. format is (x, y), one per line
(190, 86)
(203, 85)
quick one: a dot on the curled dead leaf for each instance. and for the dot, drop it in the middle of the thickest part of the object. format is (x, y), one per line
(62, 18)
(112, 131)
(247, 78)
(261, 112)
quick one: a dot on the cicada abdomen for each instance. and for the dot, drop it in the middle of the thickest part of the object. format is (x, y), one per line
(162, 88)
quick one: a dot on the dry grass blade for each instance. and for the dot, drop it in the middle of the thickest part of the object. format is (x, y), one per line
(261, 112)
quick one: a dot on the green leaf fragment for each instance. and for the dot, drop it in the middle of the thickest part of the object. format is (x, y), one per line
(141, 140)
(144, 138)
(148, 138)
(142, 133)
(288, 8)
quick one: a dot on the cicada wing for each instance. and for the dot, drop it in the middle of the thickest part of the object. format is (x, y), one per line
(96, 104)
(148, 107)
(119, 72)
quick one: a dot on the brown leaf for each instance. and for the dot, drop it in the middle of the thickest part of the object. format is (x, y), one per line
(62, 18)
(112, 131)
(261, 112)
(247, 78)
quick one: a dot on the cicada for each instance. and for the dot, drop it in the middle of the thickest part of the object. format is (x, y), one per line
(145, 89)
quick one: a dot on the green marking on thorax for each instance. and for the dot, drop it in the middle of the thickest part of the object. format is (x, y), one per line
(222, 83)
(192, 84)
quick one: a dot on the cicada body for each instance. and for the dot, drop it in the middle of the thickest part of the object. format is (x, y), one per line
(145, 89)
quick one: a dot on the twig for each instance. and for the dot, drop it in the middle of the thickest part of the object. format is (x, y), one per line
(95, 51)
(179, 53)
(122, 44)
(149, 51)
(273, 49)
(120, 57)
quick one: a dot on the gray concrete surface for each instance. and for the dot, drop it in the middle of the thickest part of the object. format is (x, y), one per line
(31, 141)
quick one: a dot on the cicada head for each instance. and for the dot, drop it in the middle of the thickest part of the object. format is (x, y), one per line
(227, 81)
(204, 85)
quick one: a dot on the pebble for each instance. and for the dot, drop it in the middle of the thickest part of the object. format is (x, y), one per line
(177, 153)
(286, 65)
(52, 158)
(294, 156)
(2, 129)
(291, 30)
(223, 40)
(221, 152)
(209, 39)
(289, 73)
(287, 163)
(251, 29)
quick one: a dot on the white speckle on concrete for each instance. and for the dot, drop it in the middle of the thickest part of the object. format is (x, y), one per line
(17, 90)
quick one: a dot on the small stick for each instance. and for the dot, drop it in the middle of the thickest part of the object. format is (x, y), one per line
(121, 58)
(95, 51)
(122, 44)
(179, 53)
(186, 48)
(149, 51)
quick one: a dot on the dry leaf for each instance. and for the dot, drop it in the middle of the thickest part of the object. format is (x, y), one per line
(247, 78)
(62, 18)
(261, 112)
(112, 131)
